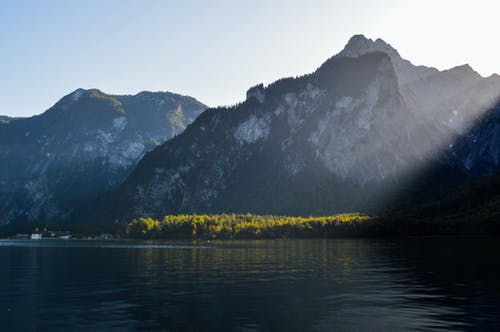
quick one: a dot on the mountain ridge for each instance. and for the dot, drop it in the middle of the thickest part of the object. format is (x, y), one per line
(363, 130)
(88, 140)
(347, 137)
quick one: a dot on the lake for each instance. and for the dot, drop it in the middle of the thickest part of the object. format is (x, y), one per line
(267, 285)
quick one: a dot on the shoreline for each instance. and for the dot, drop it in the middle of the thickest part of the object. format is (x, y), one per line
(252, 227)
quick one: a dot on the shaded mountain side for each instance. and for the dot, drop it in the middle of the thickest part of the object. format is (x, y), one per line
(468, 208)
(463, 181)
(303, 147)
(478, 198)
(55, 162)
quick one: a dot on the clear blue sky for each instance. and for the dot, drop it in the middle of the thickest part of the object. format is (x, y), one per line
(215, 50)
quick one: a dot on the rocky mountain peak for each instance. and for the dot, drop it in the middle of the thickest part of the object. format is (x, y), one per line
(359, 45)
(77, 93)
(466, 69)
(257, 92)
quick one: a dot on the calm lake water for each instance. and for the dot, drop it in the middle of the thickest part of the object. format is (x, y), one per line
(285, 285)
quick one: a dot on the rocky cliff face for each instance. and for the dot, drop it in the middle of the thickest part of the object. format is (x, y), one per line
(453, 99)
(86, 143)
(345, 137)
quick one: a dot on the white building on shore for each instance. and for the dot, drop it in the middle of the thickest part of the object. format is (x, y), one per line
(36, 236)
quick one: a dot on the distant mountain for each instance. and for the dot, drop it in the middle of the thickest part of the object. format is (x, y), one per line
(54, 163)
(5, 119)
(348, 137)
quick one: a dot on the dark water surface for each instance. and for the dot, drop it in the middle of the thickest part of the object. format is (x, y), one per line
(285, 285)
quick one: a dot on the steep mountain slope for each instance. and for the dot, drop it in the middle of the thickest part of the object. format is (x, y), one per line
(274, 151)
(342, 138)
(350, 136)
(86, 143)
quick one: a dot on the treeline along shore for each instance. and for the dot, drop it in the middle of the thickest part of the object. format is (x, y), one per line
(250, 226)
(247, 226)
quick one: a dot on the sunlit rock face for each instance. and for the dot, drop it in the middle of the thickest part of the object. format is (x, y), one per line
(369, 137)
(339, 139)
(453, 99)
(51, 164)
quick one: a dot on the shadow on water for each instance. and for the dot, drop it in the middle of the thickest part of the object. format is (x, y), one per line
(292, 285)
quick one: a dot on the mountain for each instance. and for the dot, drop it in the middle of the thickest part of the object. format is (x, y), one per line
(56, 162)
(5, 119)
(349, 137)
(453, 98)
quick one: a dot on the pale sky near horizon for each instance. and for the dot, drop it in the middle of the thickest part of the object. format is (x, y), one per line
(215, 51)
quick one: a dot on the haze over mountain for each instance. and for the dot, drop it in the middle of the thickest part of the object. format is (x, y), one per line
(347, 137)
(54, 163)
